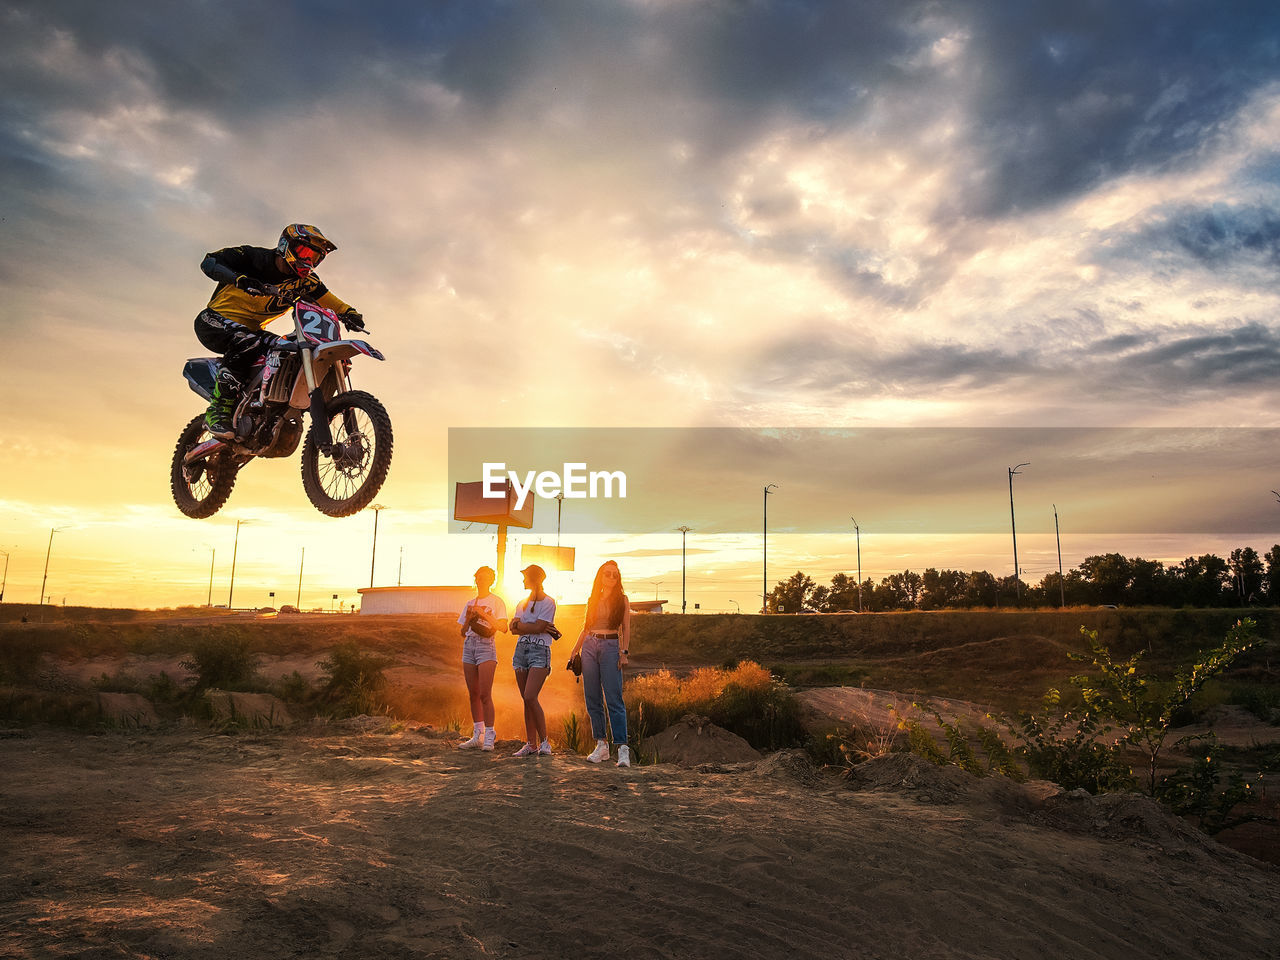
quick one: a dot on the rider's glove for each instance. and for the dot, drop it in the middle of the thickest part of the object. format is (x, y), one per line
(255, 288)
(353, 321)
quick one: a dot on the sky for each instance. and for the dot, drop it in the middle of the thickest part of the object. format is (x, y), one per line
(752, 215)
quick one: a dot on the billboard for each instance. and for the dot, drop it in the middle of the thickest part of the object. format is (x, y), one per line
(548, 558)
(470, 505)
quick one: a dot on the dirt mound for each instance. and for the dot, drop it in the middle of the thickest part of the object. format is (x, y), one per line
(929, 783)
(127, 709)
(258, 709)
(791, 766)
(1123, 816)
(695, 740)
(911, 775)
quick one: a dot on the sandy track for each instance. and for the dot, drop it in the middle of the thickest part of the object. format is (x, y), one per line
(191, 845)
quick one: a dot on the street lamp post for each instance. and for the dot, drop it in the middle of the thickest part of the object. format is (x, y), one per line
(5, 581)
(858, 534)
(213, 555)
(737, 607)
(301, 560)
(48, 551)
(1062, 590)
(1017, 574)
(764, 595)
(684, 530)
(235, 552)
(377, 508)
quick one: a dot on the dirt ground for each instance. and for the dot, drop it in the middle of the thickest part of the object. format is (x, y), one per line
(330, 842)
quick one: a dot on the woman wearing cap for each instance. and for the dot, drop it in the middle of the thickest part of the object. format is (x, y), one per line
(534, 625)
(605, 643)
(481, 618)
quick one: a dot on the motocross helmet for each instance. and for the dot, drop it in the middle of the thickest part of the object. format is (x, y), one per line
(302, 247)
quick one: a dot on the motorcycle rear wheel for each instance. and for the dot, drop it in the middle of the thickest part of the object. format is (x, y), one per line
(348, 480)
(204, 494)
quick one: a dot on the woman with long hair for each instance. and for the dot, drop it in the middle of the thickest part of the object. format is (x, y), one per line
(605, 644)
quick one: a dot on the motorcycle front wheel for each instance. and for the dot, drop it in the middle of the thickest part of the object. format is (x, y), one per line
(201, 488)
(347, 480)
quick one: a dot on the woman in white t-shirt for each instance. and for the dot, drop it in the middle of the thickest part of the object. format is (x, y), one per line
(481, 619)
(534, 625)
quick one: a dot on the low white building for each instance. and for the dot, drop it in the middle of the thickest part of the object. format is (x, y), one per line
(451, 600)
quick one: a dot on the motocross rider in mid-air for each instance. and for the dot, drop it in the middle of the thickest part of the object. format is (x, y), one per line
(256, 285)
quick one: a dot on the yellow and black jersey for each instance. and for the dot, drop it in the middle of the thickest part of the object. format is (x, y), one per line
(259, 263)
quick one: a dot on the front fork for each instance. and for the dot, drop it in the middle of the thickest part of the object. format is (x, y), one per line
(319, 416)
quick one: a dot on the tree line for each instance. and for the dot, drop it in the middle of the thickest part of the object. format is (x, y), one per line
(1243, 578)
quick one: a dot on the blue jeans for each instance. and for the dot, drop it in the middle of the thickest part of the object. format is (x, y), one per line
(601, 685)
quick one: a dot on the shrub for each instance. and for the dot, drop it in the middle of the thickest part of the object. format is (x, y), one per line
(355, 679)
(1145, 705)
(1200, 792)
(20, 654)
(222, 660)
(293, 688)
(766, 715)
(920, 742)
(118, 682)
(1069, 748)
(865, 738)
(162, 688)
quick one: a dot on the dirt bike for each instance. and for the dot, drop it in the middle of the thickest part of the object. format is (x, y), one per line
(348, 449)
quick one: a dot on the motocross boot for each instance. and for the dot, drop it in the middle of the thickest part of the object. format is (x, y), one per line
(219, 419)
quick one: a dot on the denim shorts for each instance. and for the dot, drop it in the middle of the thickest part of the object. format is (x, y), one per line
(531, 655)
(479, 650)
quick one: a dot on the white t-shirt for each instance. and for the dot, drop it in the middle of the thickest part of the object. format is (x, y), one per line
(526, 612)
(492, 604)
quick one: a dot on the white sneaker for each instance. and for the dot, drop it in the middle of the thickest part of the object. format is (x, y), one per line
(528, 750)
(488, 739)
(545, 749)
(624, 756)
(471, 744)
(601, 752)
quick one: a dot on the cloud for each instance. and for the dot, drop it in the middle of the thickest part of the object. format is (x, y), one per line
(1226, 233)
(1134, 367)
(1070, 96)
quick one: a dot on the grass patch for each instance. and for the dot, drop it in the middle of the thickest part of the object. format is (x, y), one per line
(747, 700)
(800, 675)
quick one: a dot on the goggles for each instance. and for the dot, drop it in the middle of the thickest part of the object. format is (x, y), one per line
(308, 255)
